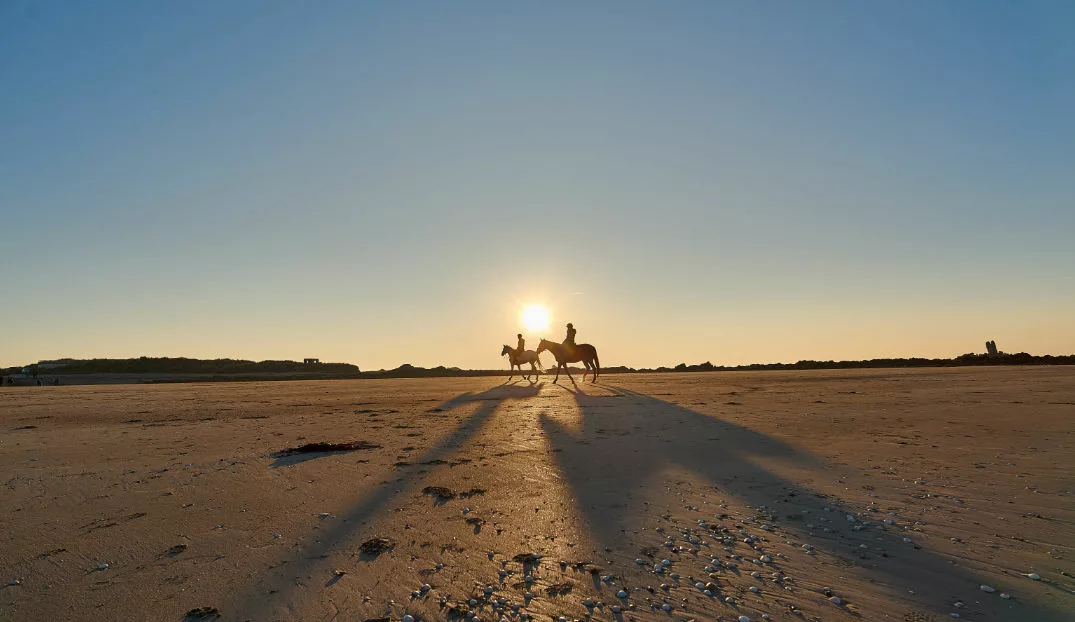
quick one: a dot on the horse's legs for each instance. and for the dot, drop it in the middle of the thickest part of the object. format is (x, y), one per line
(558, 364)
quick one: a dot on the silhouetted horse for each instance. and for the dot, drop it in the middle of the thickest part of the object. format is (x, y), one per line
(583, 352)
(517, 360)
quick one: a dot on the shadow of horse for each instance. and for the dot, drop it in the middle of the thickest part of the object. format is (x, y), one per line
(626, 440)
(344, 531)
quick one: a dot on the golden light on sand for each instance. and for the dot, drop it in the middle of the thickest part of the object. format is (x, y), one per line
(535, 318)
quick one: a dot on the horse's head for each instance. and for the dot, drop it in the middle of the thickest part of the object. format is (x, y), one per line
(506, 350)
(544, 345)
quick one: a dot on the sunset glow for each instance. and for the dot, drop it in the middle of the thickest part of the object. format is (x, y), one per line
(535, 318)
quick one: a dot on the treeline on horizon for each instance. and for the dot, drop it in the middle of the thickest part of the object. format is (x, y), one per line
(181, 365)
(969, 359)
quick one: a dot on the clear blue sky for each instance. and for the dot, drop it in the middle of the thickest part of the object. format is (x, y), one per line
(383, 183)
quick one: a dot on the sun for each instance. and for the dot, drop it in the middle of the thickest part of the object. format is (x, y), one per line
(535, 318)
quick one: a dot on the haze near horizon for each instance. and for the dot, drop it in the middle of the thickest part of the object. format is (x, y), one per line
(384, 184)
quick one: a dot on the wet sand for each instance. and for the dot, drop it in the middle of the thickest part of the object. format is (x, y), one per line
(865, 494)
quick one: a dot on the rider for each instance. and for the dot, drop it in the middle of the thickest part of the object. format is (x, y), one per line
(522, 344)
(569, 343)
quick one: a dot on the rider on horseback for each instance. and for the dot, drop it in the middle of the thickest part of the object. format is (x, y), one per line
(522, 345)
(569, 343)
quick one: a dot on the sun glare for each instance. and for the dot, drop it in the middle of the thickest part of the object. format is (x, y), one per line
(535, 318)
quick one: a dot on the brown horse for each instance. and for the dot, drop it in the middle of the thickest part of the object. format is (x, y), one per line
(583, 352)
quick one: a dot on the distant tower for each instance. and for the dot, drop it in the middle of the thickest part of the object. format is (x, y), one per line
(991, 347)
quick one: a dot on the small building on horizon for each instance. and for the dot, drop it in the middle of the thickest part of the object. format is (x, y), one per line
(311, 361)
(991, 347)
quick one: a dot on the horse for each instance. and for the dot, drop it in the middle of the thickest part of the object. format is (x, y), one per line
(583, 352)
(517, 360)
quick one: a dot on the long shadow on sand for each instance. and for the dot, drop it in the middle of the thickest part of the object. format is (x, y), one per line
(625, 441)
(342, 532)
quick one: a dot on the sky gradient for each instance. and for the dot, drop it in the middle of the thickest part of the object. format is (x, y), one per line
(387, 183)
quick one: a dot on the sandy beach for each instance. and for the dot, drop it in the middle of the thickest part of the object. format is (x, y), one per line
(828, 495)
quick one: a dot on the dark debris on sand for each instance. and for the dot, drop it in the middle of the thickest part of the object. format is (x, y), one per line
(315, 448)
(559, 589)
(202, 613)
(528, 559)
(376, 546)
(455, 611)
(440, 493)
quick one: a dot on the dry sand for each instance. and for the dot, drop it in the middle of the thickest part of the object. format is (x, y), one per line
(146, 502)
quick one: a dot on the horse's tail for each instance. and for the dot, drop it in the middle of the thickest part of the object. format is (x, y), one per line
(596, 361)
